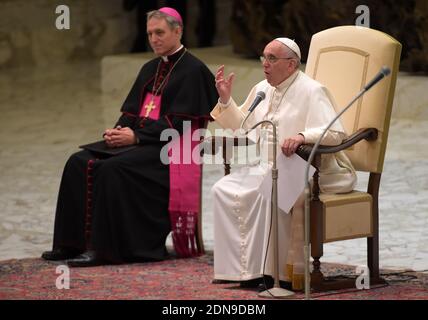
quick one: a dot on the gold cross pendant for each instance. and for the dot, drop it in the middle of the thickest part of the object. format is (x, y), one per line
(149, 107)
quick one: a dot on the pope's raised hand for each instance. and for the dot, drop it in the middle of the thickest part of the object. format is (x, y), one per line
(224, 85)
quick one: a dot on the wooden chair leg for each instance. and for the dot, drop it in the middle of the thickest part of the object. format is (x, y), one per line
(373, 242)
(199, 237)
(316, 242)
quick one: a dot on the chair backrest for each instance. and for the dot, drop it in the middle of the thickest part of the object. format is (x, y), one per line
(344, 59)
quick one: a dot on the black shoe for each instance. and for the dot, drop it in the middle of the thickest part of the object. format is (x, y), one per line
(253, 283)
(218, 281)
(60, 254)
(268, 284)
(86, 259)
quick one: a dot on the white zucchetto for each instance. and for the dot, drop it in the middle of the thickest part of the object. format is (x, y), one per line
(290, 44)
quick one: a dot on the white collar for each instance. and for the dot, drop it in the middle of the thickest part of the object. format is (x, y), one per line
(287, 82)
(165, 58)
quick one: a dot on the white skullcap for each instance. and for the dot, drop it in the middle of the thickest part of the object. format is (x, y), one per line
(290, 44)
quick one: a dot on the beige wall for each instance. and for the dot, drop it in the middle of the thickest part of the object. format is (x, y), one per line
(28, 35)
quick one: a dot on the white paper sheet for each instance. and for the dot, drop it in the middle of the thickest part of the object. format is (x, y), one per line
(291, 181)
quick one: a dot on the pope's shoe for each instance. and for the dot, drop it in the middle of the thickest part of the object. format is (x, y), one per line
(86, 259)
(253, 283)
(60, 254)
(268, 283)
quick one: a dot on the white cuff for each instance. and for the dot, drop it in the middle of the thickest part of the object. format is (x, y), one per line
(224, 105)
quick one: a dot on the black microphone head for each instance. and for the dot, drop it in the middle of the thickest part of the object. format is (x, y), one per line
(261, 94)
(259, 98)
(385, 71)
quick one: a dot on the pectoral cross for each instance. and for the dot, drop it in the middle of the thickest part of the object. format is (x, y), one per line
(149, 107)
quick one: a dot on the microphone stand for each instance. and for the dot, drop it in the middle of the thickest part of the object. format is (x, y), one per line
(276, 291)
(385, 71)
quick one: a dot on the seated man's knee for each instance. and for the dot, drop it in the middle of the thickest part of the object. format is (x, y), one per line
(77, 159)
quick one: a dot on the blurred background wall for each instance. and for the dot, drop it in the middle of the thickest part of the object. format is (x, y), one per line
(28, 35)
(256, 22)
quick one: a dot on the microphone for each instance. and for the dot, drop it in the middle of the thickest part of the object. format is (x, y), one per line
(384, 71)
(260, 96)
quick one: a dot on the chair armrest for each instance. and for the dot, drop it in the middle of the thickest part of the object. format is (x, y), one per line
(213, 143)
(369, 134)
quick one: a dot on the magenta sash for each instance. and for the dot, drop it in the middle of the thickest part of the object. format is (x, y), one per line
(185, 184)
(185, 193)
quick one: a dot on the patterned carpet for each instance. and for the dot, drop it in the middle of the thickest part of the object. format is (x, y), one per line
(177, 279)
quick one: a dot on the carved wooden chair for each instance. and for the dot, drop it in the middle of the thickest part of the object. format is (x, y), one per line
(344, 59)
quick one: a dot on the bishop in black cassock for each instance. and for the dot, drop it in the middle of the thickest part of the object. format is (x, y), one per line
(113, 209)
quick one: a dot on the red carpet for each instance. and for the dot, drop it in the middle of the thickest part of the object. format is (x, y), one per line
(182, 279)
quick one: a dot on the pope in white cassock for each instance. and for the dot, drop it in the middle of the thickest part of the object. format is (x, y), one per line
(301, 108)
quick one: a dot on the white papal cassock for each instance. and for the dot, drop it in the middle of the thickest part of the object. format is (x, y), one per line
(241, 214)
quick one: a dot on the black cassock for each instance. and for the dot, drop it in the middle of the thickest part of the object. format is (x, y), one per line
(118, 206)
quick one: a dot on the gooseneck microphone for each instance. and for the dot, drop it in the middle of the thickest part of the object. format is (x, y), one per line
(276, 291)
(260, 96)
(384, 71)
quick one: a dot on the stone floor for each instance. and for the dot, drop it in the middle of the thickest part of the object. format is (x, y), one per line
(47, 113)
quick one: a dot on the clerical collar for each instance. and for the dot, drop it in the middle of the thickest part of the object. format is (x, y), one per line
(287, 82)
(174, 56)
